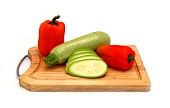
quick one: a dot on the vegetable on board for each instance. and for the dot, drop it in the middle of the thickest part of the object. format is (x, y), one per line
(51, 34)
(86, 64)
(118, 56)
(60, 53)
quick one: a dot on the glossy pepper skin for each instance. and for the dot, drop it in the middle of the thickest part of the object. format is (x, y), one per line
(117, 56)
(51, 34)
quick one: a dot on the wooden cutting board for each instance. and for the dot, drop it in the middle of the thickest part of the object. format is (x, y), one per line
(39, 77)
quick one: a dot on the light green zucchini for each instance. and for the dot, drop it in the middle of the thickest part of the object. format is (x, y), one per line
(60, 53)
(85, 64)
(87, 68)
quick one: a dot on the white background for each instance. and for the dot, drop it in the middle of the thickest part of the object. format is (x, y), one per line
(144, 23)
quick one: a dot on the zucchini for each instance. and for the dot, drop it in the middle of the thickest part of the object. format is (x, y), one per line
(83, 50)
(84, 65)
(79, 52)
(60, 53)
(87, 68)
(80, 55)
(83, 58)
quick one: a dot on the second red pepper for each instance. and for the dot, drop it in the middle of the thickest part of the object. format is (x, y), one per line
(117, 56)
(51, 34)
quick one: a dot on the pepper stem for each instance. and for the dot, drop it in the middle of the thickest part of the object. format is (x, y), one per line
(53, 20)
(130, 58)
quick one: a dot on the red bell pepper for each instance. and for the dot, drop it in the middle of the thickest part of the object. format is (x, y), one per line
(117, 56)
(51, 34)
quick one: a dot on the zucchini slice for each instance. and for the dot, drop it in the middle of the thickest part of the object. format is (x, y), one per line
(81, 55)
(84, 50)
(88, 68)
(83, 58)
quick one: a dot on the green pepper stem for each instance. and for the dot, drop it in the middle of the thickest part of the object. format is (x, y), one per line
(53, 20)
(130, 58)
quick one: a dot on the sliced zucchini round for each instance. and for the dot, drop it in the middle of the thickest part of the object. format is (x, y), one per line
(83, 58)
(81, 55)
(83, 50)
(87, 68)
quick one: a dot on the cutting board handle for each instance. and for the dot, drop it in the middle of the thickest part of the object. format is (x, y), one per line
(19, 64)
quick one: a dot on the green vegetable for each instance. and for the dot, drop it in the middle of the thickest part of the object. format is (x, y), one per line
(83, 58)
(82, 50)
(90, 66)
(60, 53)
(80, 55)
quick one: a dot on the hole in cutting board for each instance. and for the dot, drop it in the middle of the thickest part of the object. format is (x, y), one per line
(25, 65)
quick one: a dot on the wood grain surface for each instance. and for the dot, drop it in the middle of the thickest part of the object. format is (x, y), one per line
(39, 77)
